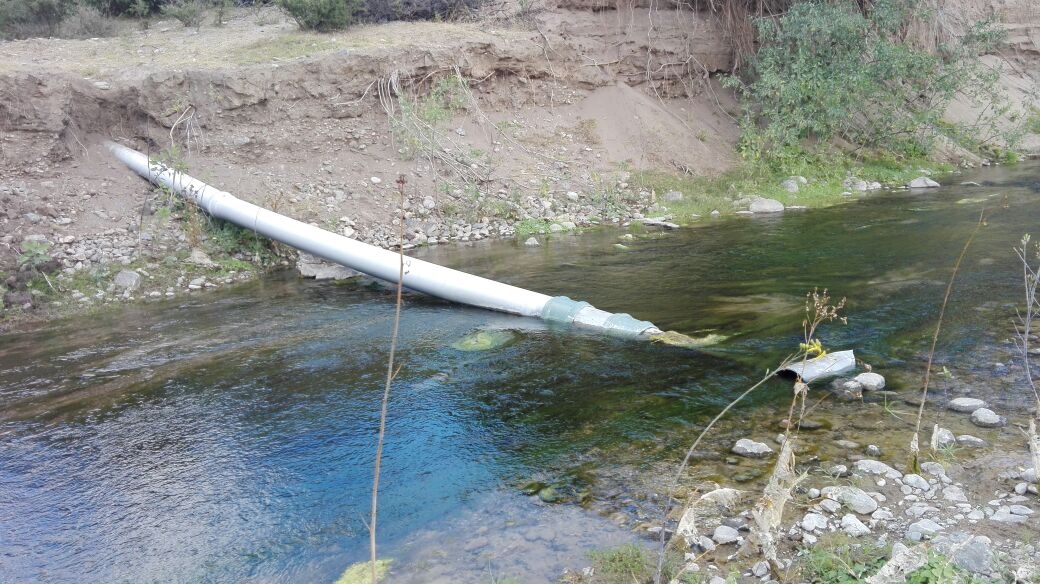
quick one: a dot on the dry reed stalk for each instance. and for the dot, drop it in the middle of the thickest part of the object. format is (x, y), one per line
(390, 374)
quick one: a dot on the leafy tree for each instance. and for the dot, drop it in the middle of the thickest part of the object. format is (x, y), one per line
(827, 70)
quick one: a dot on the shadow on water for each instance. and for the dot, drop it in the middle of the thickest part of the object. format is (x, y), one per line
(229, 437)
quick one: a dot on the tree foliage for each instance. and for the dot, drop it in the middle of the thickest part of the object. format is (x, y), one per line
(321, 15)
(827, 70)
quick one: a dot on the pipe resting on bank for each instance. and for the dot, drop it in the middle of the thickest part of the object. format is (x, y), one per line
(384, 264)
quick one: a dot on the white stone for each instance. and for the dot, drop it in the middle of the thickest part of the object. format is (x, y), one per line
(877, 467)
(751, 449)
(987, 418)
(855, 499)
(965, 405)
(725, 534)
(870, 381)
(915, 481)
(814, 521)
(376, 180)
(922, 182)
(851, 525)
(761, 205)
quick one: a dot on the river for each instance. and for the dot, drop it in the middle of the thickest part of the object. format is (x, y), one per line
(229, 437)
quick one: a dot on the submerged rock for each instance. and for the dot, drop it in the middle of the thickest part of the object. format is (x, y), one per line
(965, 405)
(751, 449)
(987, 418)
(485, 340)
(870, 381)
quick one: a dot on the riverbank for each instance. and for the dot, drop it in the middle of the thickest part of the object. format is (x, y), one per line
(526, 121)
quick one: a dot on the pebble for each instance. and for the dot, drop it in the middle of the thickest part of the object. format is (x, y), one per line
(969, 441)
(877, 467)
(916, 482)
(923, 529)
(725, 534)
(986, 418)
(761, 569)
(944, 438)
(965, 405)
(813, 521)
(854, 498)
(751, 449)
(851, 525)
(870, 381)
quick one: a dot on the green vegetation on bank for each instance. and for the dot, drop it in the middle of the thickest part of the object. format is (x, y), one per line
(829, 181)
(837, 71)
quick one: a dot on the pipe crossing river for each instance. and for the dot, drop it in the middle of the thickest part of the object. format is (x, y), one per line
(384, 264)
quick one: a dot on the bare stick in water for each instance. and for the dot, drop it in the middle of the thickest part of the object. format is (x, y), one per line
(390, 374)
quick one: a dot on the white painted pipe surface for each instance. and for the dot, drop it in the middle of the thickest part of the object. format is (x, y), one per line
(829, 365)
(419, 275)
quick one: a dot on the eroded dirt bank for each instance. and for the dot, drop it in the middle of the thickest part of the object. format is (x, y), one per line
(531, 116)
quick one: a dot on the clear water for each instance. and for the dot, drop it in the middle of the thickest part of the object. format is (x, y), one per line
(229, 437)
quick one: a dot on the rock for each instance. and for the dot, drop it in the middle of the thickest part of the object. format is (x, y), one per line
(705, 543)
(870, 381)
(838, 471)
(310, 266)
(1003, 514)
(1020, 510)
(199, 258)
(851, 525)
(943, 438)
(965, 405)
(922, 182)
(532, 242)
(969, 441)
(672, 196)
(916, 482)
(102, 85)
(935, 469)
(972, 553)
(790, 185)
(854, 498)
(761, 205)
(751, 449)
(923, 529)
(873, 450)
(986, 418)
(376, 180)
(878, 468)
(725, 534)
(429, 203)
(813, 521)
(830, 505)
(761, 569)
(954, 494)
(127, 280)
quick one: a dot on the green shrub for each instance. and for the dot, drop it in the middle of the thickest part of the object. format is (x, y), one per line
(20, 19)
(827, 70)
(138, 8)
(321, 15)
(188, 12)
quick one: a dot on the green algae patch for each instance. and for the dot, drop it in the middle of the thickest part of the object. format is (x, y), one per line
(680, 340)
(485, 340)
(361, 572)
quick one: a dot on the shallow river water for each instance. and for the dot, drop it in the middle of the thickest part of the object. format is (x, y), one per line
(229, 437)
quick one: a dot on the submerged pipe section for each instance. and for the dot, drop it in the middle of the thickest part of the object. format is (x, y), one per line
(384, 264)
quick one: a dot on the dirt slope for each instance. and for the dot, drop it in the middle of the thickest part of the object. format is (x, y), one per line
(298, 121)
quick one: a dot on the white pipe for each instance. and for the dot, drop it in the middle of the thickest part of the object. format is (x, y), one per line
(419, 275)
(829, 365)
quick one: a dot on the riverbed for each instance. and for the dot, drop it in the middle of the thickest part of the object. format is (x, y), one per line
(229, 436)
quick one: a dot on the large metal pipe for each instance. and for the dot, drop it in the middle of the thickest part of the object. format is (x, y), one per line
(419, 275)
